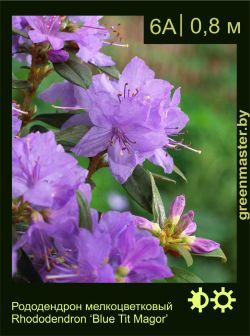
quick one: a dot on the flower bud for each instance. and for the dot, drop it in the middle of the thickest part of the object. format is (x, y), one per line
(145, 224)
(185, 222)
(58, 56)
(201, 245)
(176, 209)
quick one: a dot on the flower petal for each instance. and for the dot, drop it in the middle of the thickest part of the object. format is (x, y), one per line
(201, 245)
(161, 158)
(74, 98)
(37, 37)
(77, 119)
(190, 229)
(122, 163)
(144, 139)
(146, 248)
(94, 142)
(135, 74)
(40, 195)
(55, 42)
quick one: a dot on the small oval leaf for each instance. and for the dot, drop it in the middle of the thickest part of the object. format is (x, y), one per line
(214, 254)
(183, 276)
(111, 71)
(36, 123)
(184, 253)
(139, 187)
(180, 173)
(157, 204)
(20, 84)
(84, 211)
(163, 178)
(69, 137)
(74, 72)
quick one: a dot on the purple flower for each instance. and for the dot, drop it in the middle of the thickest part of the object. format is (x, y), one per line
(40, 171)
(16, 121)
(73, 99)
(126, 118)
(20, 23)
(178, 228)
(201, 245)
(116, 251)
(90, 39)
(136, 256)
(47, 29)
(58, 56)
(176, 209)
(183, 227)
(75, 259)
(173, 120)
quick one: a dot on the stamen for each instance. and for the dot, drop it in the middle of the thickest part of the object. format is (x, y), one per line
(135, 93)
(119, 97)
(116, 44)
(60, 276)
(68, 107)
(98, 28)
(124, 90)
(124, 141)
(45, 253)
(174, 145)
(19, 111)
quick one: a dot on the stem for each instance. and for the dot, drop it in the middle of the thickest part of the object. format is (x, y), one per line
(38, 71)
(95, 163)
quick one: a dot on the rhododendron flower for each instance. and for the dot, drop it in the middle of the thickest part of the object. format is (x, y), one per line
(116, 251)
(16, 121)
(58, 56)
(136, 256)
(90, 38)
(47, 29)
(41, 171)
(127, 118)
(74, 99)
(178, 229)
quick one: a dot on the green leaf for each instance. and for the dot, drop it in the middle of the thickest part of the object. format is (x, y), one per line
(55, 119)
(111, 71)
(157, 204)
(180, 173)
(71, 136)
(19, 32)
(183, 276)
(163, 178)
(36, 123)
(74, 72)
(84, 212)
(26, 67)
(139, 187)
(20, 84)
(184, 253)
(214, 254)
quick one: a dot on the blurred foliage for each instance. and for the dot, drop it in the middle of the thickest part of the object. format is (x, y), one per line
(207, 76)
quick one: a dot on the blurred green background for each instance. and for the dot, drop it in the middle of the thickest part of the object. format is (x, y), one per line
(207, 76)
